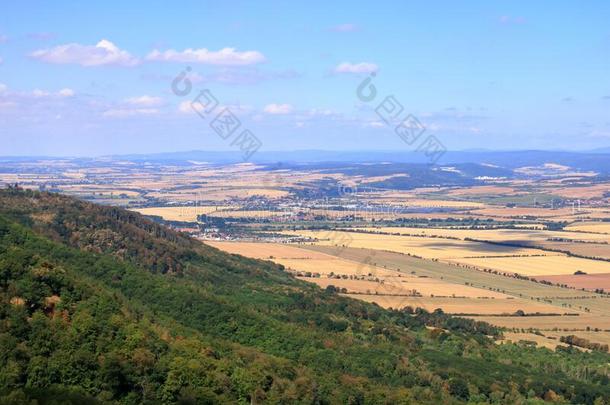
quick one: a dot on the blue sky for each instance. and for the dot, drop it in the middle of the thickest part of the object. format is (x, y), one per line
(78, 78)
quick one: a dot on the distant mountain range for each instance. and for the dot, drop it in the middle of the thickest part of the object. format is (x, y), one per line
(596, 160)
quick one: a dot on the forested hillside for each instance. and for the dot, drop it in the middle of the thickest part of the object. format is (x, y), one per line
(100, 305)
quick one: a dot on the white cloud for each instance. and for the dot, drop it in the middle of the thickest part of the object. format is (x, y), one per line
(188, 107)
(325, 112)
(37, 93)
(66, 92)
(128, 112)
(40, 93)
(37, 98)
(375, 124)
(144, 101)
(225, 56)
(103, 53)
(134, 106)
(345, 28)
(185, 107)
(362, 67)
(195, 77)
(278, 109)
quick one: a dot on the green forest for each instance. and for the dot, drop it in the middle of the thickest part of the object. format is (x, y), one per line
(101, 305)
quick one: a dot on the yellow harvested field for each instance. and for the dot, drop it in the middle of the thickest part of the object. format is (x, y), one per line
(268, 250)
(97, 189)
(404, 194)
(389, 213)
(370, 277)
(187, 214)
(599, 227)
(584, 192)
(427, 287)
(549, 323)
(252, 214)
(531, 226)
(484, 306)
(334, 265)
(387, 287)
(430, 248)
(602, 337)
(398, 288)
(541, 341)
(587, 215)
(216, 194)
(523, 212)
(482, 190)
(251, 192)
(423, 203)
(538, 265)
(599, 211)
(494, 235)
(304, 260)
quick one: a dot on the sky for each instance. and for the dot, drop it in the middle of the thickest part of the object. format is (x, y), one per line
(97, 78)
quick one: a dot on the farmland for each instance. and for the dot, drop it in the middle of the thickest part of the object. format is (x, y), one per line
(583, 244)
(492, 249)
(354, 276)
(439, 280)
(460, 306)
(430, 248)
(458, 247)
(495, 235)
(587, 281)
(390, 280)
(538, 265)
(183, 214)
(593, 227)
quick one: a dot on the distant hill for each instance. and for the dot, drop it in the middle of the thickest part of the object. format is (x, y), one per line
(597, 160)
(406, 176)
(101, 305)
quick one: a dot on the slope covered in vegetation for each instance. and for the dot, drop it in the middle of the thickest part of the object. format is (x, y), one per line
(99, 305)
